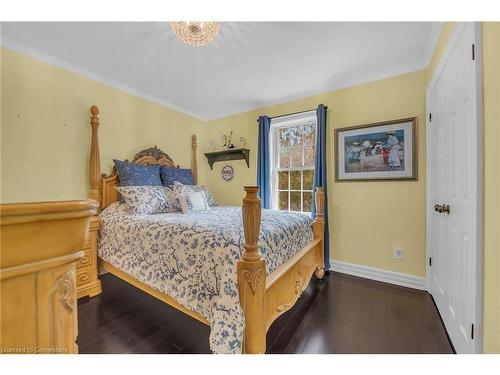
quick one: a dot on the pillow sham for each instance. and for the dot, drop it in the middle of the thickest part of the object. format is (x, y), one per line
(185, 189)
(131, 174)
(169, 175)
(193, 202)
(149, 200)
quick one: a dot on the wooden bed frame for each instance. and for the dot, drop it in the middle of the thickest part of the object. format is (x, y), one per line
(263, 297)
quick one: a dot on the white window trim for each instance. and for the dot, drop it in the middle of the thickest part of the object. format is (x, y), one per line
(282, 122)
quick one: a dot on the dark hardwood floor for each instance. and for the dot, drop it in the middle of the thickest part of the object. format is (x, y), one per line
(339, 314)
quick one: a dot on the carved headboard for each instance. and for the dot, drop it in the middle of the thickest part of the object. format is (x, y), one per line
(102, 186)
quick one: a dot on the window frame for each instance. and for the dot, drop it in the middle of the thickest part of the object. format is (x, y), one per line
(300, 119)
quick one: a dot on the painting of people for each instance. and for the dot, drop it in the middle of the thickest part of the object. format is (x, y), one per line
(377, 151)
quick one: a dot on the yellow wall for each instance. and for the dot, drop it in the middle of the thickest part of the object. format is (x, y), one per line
(46, 132)
(491, 116)
(367, 218)
(491, 94)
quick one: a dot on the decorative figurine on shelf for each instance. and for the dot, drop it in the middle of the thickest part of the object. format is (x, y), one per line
(229, 141)
(243, 142)
(211, 145)
(224, 135)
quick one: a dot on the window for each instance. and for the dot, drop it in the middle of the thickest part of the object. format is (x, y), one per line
(293, 143)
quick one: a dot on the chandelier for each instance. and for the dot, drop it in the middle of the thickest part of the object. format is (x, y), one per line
(196, 33)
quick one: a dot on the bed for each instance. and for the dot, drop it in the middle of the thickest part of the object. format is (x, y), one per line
(234, 269)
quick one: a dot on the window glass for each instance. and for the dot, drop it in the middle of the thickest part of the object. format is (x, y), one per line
(293, 162)
(283, 200)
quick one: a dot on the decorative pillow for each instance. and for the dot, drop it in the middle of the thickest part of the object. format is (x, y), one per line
(132, 174)
(150, 199)
(193, 202)
(169, 175)
(184, 189)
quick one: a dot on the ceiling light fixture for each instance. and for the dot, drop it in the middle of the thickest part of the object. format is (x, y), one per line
(196, 33)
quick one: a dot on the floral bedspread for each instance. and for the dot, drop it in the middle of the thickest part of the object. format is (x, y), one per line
(193, 257)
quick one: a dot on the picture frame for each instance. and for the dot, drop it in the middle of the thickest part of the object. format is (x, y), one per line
(227, 172)
(379, 151)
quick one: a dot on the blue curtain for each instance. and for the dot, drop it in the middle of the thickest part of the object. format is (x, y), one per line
(320, 173)
(264, 162)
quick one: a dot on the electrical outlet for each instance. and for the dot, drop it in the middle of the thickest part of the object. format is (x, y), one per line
(398, 253)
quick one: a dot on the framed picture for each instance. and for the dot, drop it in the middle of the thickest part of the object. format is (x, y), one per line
(381, 151)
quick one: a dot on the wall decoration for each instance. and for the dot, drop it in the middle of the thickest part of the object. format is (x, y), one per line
(224, 136)
(227, 172)
(230, 143)
(381, 151)
(243, 142)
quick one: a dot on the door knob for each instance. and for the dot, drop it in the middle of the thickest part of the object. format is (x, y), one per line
(442, 208)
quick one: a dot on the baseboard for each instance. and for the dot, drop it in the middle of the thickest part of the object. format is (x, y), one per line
(390, 277)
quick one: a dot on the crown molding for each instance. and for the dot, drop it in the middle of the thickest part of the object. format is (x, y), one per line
(257, 104)
(432, 41)
(40, 56)
(360, 80)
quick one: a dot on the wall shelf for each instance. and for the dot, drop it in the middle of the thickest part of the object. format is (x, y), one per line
(225, 155)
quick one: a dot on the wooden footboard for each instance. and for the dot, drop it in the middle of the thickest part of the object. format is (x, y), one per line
(262, 298)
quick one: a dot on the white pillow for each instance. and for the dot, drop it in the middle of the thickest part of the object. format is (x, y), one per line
(193, 202)
(185, 189)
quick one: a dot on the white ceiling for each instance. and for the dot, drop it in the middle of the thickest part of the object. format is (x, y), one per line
(250, 64)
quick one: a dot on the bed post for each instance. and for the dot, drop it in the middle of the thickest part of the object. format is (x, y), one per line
(319, 230)
(95, 159)
(87, 274)
(194, 165)
(252, 276)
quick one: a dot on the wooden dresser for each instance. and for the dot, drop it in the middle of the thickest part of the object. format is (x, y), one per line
(40, 245)
(87, 280)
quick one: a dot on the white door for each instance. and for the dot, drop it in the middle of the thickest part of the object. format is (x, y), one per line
(454, 190)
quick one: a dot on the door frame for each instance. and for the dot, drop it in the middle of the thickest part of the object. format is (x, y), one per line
(457, 32)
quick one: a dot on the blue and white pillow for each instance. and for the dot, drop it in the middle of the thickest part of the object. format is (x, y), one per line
(147, 200)
(193, 202)
(169, 175)
(131, 174)
(185, 189)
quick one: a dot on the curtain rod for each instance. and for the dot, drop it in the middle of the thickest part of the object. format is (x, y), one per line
(293, 113)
